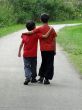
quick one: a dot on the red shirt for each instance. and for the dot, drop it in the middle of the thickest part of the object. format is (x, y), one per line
(30, 44)
(47, 44)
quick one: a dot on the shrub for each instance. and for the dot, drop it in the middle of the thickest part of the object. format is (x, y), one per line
(6, 13)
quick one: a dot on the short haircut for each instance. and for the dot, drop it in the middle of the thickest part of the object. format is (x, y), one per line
(44, 17)
(30, 25)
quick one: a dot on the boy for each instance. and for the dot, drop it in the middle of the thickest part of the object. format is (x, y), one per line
(48, 50)
(29, 45)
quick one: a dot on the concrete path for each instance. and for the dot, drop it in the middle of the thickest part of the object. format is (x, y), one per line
(64, 92)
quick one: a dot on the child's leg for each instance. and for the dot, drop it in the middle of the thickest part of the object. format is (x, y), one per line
(50, 65)
(34, 67)
(27, 68)
(43, 65)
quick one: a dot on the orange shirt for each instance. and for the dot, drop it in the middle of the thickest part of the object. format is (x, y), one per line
(46, 44)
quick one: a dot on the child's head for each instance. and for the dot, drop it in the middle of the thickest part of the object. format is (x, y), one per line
(30, 25)
(44, 18)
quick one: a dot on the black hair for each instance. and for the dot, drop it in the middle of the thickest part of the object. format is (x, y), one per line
(30, 25)
(44, 17)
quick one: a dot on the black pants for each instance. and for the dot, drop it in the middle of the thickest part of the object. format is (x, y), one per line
(47, 66)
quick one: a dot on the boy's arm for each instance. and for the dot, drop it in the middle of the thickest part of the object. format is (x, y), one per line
(48, 33)
(37, 30)
(55, 46)
(20, 48)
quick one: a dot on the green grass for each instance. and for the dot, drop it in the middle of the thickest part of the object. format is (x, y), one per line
(6, 30)
(70, 38)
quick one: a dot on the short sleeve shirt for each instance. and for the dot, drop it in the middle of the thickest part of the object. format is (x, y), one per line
(30, 44)
(46, 44)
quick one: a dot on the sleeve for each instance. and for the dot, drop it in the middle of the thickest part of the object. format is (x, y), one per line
(38, 33)
(23, 38)
(37, 30)
(39, 36)
(54, 33)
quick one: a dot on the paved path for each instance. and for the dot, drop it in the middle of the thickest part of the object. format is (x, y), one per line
(64, 92)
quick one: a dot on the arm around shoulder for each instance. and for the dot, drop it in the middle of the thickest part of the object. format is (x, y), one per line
(48, 33)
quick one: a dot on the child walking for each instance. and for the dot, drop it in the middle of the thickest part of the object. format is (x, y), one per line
(48, 50)
(29, 45)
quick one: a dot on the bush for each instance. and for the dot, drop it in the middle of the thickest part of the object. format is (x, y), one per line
(6, 13)
(20, 11)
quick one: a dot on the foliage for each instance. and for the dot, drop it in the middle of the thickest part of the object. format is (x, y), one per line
(57, 9)
(19, 11)
(6, 13)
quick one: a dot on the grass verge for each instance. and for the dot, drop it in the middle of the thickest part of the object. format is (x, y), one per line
(6, 30)
(70, 38)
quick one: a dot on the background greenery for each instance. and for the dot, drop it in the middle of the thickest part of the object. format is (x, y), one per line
(70, 39)
(19, 11)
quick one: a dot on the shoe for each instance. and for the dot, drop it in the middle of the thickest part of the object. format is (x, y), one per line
(40, 80)
(33, 81)
(46, 81)
(26, 82)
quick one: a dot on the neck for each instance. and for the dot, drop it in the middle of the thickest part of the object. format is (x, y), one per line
(45, 23)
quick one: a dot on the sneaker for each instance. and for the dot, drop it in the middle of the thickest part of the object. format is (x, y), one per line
(46, 81)
(33, 81)
(40, 80)
(26, 82)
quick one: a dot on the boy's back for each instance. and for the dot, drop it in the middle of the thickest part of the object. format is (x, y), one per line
(30, 44)
(48, 43)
